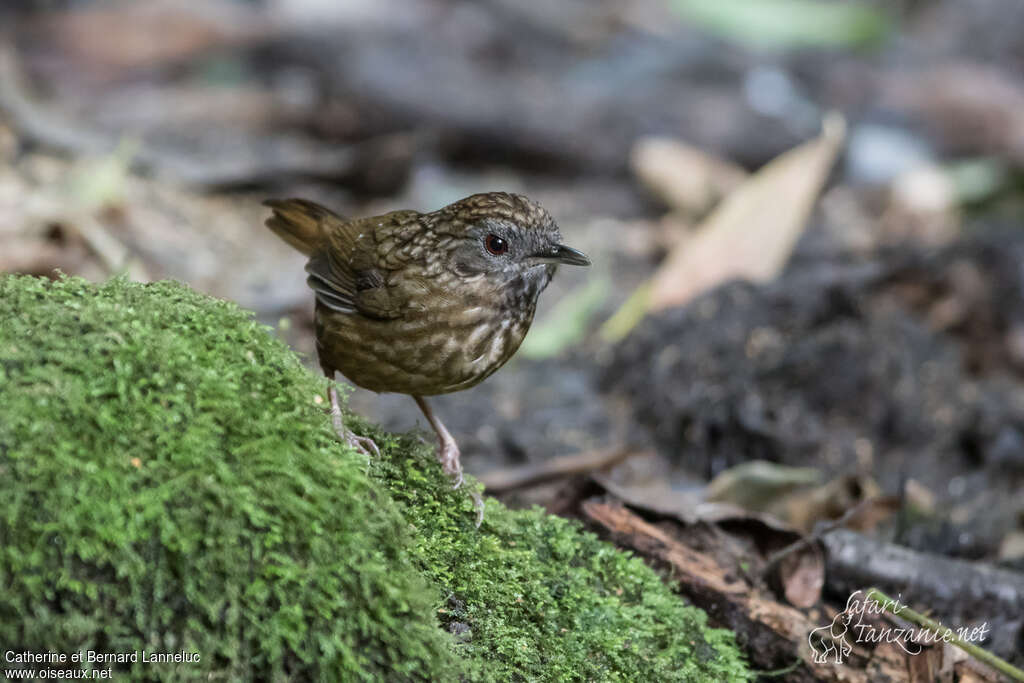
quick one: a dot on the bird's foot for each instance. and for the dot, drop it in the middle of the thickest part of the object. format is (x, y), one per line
(361, 444)
(448, 454)
(478, 505)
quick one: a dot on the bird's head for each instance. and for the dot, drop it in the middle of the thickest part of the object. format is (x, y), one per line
(506, 239)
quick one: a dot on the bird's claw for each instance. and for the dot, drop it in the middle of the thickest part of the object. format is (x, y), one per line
(448, 454)
(449, 457)
(478, 505)
(362, 444)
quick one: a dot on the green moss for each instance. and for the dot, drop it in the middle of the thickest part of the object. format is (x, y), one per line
(543, 599)
(170, 483)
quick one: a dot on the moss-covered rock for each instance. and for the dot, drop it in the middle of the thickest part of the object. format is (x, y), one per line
(170, 483)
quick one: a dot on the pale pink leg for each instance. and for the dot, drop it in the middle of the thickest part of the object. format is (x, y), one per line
(448, 454)
(361, 444)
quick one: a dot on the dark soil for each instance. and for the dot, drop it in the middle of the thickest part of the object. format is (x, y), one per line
(905, 366)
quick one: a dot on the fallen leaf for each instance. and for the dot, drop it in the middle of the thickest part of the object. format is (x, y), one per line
(758, 484)
(796, 495)
(802, 576)
(685, 178)
(1012, 547)
(749, 235)
(919, 497)
(752, 232)
(788, 23)
(832, 500)
(689, 508)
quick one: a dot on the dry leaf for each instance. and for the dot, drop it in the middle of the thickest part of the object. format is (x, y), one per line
(752, 232)
(1012, 547)
(685, 178)
(919, 497)
(759, 484)
(688, 508)
(796, 496)
(802, 576)
(833, 499)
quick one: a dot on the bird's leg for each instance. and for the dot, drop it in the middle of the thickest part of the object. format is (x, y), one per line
(332, 396)
(448, 454)
(448, 450)
(361, 444)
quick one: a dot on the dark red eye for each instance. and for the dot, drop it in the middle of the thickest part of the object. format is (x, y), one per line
(496, 245)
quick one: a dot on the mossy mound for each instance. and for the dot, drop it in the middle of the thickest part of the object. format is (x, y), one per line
(171, 484)
(168, 485)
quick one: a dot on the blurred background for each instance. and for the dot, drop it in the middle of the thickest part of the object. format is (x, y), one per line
(804, 215)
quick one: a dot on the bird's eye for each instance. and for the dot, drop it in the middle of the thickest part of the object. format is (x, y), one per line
(496, 245)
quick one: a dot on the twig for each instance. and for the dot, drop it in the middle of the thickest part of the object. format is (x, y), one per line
(498, 481)
(773, 632)
(947, 634)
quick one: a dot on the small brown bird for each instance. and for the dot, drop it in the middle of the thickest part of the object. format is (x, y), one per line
(423, 303)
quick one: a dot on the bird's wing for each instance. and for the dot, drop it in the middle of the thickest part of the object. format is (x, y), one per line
(355, 266)
(356, 270)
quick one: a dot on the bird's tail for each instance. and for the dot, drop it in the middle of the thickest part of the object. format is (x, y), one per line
(300, 222)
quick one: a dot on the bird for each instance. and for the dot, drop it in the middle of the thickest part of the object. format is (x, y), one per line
(423, 303)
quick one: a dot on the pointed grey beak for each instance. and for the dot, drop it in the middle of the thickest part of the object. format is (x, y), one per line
(563, 254)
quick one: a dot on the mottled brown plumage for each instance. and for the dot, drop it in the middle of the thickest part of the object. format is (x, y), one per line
(424, 303)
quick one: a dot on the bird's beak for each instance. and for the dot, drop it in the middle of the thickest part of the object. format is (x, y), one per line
(563, 254)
